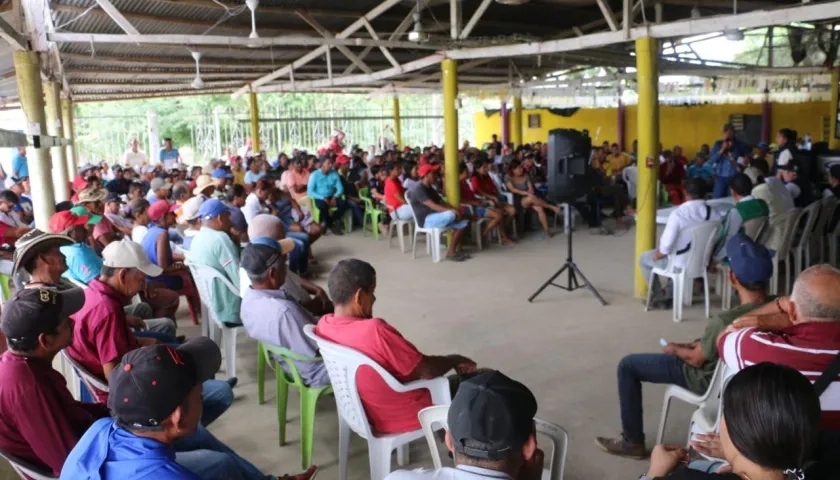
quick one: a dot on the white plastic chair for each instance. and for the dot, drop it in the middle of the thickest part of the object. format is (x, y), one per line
(204, 277)
(477, 226)
(399, 226)
(26, 470)
(756, 229)
(93, 384)
(710, 396)
(433, 235)
(556, 463)
(821, 232)
(697, 258)
(789, 224)
(801, 250)
(342, 364)
(629, 175)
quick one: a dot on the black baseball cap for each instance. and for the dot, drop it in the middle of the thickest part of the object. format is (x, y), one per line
(491, 416)
(834, 170)
(263, 252)
(151, 382)
(792, 165)
(33, 311)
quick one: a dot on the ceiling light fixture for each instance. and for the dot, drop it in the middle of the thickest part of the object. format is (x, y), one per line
(197, 82)
(252, 5)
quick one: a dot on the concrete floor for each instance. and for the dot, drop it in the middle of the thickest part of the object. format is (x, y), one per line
(564, 346)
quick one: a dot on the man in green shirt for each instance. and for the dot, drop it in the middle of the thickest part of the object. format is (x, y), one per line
(213, 247)
(688, 365)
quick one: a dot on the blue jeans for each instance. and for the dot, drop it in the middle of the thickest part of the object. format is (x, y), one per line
(721, 188)
(299, 257)
(358, 210)
(444, 220)
(632, 371)
(209, 458)
(216, 399)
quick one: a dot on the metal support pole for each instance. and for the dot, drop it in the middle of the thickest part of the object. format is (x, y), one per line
(154, 137)
(766, 116)
(217, 129)
(397, 123)
(61, 182)
(834, 138)
(255, 122)
(28, 73)
(71, 155)
(450, 128)
(648, 134)
(516, 121)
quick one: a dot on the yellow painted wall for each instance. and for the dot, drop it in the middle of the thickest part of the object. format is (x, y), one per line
(688, 126)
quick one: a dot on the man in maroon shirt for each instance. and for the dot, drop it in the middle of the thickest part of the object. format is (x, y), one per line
(41, 422)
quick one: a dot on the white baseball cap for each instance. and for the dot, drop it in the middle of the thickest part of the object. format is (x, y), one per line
(127, 254)
(189, 209)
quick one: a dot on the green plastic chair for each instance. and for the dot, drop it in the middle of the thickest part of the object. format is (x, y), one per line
(371, 213)
(308, 395)
(5, 288)
(316, 215)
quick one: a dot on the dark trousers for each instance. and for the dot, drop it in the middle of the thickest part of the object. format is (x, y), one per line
(326, 217)
(632, 371)
(589, 211)
(721, 188)
(358, 210)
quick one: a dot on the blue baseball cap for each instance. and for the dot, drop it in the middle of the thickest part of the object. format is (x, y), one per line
(750, 262)
(763, 145)
(211, 209)
(221, 173)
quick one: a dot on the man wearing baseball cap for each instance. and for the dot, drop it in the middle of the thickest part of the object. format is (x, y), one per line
(102, 335)
(433, 212)
(159, 189)
(491, 433)
(270, 314)
(113, 205)
(214, 248)
(189, 216)
(90, 203)
(154, 430)
(41, 420)
(799, 187)
(688, 365)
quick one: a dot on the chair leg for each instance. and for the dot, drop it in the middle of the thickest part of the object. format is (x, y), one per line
(650, 290)
(282, 404)
(229, 341)
(706, 288)
(662, 419)
(403, 455)
(414, 246)
(374, 225)
(401, 235)
(308, 400)
(678, 297)
(260, 374)
(380, 459)
(343, 447)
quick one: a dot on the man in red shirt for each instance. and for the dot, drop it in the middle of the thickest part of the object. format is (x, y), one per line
(41, 420)
(102, 334)
(672, 175)
(351, 285)
(802, 332)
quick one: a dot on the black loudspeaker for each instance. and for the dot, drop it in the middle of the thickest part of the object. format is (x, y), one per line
(568, 157)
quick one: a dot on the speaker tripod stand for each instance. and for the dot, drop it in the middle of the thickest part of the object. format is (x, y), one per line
(573, 273)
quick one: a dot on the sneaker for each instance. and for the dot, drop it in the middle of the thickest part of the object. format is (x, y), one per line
(622, 448)
(232, 381)
(336, 230)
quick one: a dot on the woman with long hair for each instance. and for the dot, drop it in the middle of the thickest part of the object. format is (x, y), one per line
(768, 429)
(525, 196)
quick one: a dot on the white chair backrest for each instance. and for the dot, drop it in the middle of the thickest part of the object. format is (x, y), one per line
(411, 207)
(703, 237)
(90, 381)
(204, 277)
(791, 221)
(809, 219)
(756, 227)
(556, 463)
(342, 364)
(26, 470)
(629, 175)
(827, 209)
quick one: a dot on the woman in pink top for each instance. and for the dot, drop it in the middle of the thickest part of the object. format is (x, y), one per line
(297, 179)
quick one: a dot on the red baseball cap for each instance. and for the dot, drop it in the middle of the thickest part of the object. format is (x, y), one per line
(342, 159)
(61, 221)
(161, 208)
(426, 168)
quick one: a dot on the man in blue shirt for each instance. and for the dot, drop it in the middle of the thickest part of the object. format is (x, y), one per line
(326, 189)
(725, 157)
(20, 168)
(169, 155)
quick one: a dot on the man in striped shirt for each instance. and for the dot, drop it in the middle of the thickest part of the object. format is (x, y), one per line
(802, 332)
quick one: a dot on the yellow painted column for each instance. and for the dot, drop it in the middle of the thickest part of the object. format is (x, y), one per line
(69, 134)
(516, 121)
(28, 73)
(833, 141)
(647, 74)
(450, 130)
(255, 122)
(397, 122)
(52, 101)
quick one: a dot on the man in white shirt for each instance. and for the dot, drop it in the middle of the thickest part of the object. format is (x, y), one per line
(676, 238)
(134, 157)
(255, 203)
(491, 433)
